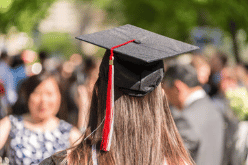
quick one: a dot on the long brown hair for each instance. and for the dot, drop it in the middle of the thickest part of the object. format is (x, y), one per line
(144, 131)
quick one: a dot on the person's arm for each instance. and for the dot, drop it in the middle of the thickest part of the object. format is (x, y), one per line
(58, 158)
(240, 151)
(75, 135)
(47, 161)
(5, 127)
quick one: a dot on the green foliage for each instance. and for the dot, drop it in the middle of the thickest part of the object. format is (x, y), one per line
(60, 43)
(170, 18)
(5, 5)
(238, 102)
(176, 18)
(220, 13)
(23, 14)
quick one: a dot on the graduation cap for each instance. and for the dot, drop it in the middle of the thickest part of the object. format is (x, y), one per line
(133, 63)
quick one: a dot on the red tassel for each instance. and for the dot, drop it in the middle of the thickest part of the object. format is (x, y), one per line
(109, 118)
(2, 89)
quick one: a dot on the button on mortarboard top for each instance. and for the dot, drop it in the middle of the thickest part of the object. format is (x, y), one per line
(137, 41)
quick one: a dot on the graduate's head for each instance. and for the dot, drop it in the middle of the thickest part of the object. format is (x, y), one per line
(133, 63)
(129, 110)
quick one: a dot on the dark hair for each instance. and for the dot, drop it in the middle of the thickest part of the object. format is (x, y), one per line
(185, 73)
(28, 87)
(4, 55)
(90, 63)
(144, 131)
(223, 58)
(246, 68)
(16, 61)
(43, 55)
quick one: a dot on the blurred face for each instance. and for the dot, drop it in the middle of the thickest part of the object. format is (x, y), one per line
(216, 64)
(45, 100)
(227, 81)
(203, 74)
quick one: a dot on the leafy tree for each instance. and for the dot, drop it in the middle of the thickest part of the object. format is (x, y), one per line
(230, 16)
(23, 14)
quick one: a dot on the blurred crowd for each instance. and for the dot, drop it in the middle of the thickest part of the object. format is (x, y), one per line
(208, 98)
(76, 75)
(37, 88)
(207, 95)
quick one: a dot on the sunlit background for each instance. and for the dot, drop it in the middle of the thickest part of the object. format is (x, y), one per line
(52, 25)
(40, 35)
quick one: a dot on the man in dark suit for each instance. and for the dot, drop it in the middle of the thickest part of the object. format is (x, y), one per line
(199, 122)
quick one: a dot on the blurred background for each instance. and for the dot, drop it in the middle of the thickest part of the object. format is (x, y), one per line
(52, 25)
(40, 35)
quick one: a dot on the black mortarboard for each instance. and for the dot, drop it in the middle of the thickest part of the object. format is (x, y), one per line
(138, 64)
